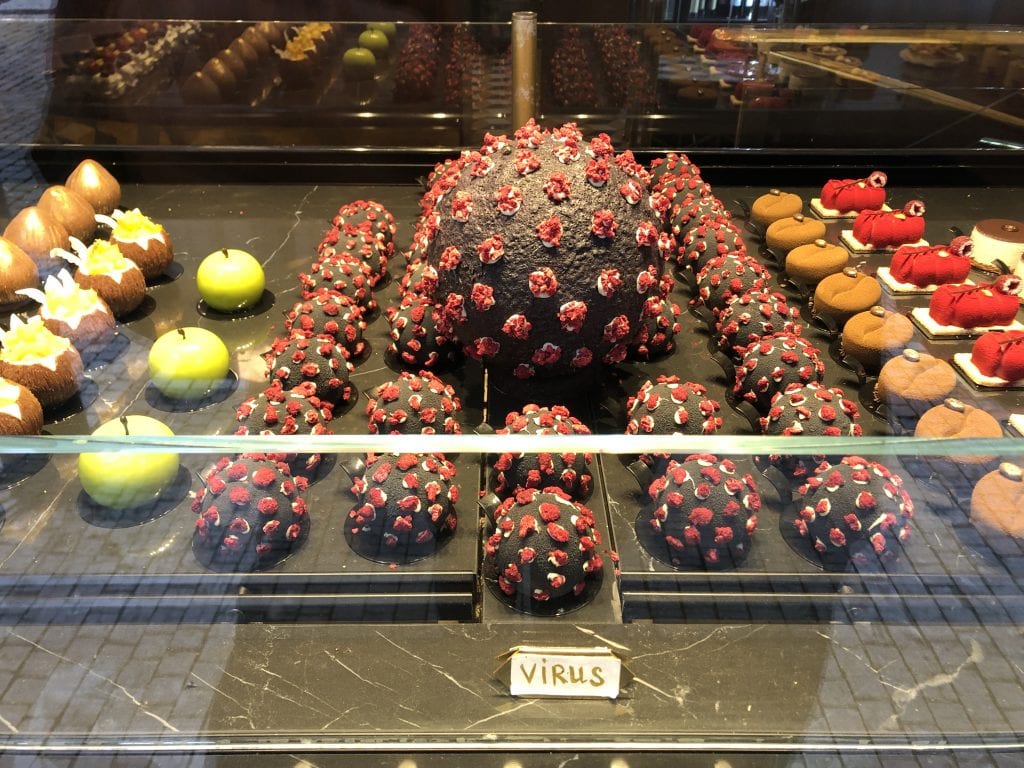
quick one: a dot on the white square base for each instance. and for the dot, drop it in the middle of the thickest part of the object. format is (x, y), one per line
(966, 366)
(822, 212)
(857, 246)
(894, 286)
(1016, 422)
(935, 330)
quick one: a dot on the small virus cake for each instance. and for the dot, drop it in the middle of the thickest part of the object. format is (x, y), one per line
(419, 278)
(316, 362)
(886, 229)
(691, 209)
(405, 505)
(658, 328)
(344, 274)
(415, 339)
(20, 411)
(855, 195)
(705, 512)
(47, 364)
(747, 318)
(516, 224)
(414, 404)
(544, 547)
(104, 269)
(711, 238)
(76, 313)
(669, 406)
(568, 471)
(369, 216)
(811, 411)
(727, 277)
(280, 411)
(332, 314)
(140, 239)
(771, 364)
(854, 511)
(250, 513)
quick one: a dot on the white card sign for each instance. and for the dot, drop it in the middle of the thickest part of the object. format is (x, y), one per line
(564, 671)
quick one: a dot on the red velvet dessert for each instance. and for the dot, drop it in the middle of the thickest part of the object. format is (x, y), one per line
(977, 306)
(932, 264)
(848, 195)
(884, 229)
(1000, 354)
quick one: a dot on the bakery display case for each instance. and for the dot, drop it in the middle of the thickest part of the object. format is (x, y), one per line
(678, 426)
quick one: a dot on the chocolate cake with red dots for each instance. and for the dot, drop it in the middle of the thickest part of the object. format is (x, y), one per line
(513, 228)
(771, 364)
(569, 472)
(669, 406)
(414, 404)
(345, 274)
(703, 513)
(415, 339)
(318, 363)
(358, 245)
(856, 511)
(658, 328)
(280, 411)
(724, 278)
(747, 318)
(251, 514)
(329, 313)
(371, 217)
(809, 411)
(544, 548)
(712, 237)
(405, 506)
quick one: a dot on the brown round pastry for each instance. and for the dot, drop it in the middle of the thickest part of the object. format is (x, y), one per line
(997, 240)
(775, 205)
(243, 50)
(698, 92)
(200, 89)
(844, 294)
(997, 502)
(48, 365)
(70, 209)
(20, 411)
(76, 313)
(955, 418)
(813, 262)
(17, 271)
(915, 380)
(220, 74)
(873, 336)
(413, 405)
(274, 31)
(570, 472)
(235, 63)
(786, 234)
(104, 269)
(37, 233)
(95, 183)
(142, 240)
(257, 41)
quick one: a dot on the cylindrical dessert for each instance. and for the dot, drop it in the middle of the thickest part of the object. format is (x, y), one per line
(873, 336)
(775, 205)
(786, 234)
(844, 294)
(915, 380)
(813, 262)
(998, 243)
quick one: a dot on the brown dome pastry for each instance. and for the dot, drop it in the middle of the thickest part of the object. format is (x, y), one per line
(997, 503)
(775, 205)
(70, 209)
(813, 262)
(217, 71)
(698, 92)
(20, 411)
(48, 365)
(95, 183)
(78, 314)
(142, 240)
(915, 380)
(786, 234)
(873, 336)
(37, 233)
(200, 89)
(17, 271)
(842, 295)
(955, 418)
(104, 269)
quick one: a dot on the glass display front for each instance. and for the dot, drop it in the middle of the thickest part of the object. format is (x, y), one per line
(300, 451)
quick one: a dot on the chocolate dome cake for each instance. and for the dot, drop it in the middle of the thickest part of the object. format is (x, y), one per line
(669, 406)
(329, 313)
(413, 404)
(343, 273)
(569, 472)
(658, 328)
(405, 506)
(318, 363)
(517, 223)
(854, 512)
(772, 363)
(714, 236)
(415, 339)
(703, 512)
(727, 277)
(544, 547)
(251, 514)
(747, 318)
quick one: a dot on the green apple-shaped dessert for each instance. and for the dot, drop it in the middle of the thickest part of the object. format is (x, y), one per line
(122, 480)
(230, 280)
(188, 363)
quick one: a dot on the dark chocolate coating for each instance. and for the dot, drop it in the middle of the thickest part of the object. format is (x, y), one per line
(331, 313)
(773, 362)
(658, 328)
(415, 338)
(413, 404)
(747, 318)
(318, 363)
(724, 278)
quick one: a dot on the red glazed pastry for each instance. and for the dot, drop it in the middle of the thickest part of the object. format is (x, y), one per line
(846, 195)
(933, 264)
(976, 306)
(1000, 354)
(890, 228)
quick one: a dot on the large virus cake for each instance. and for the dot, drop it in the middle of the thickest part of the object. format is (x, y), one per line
(546, 248)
